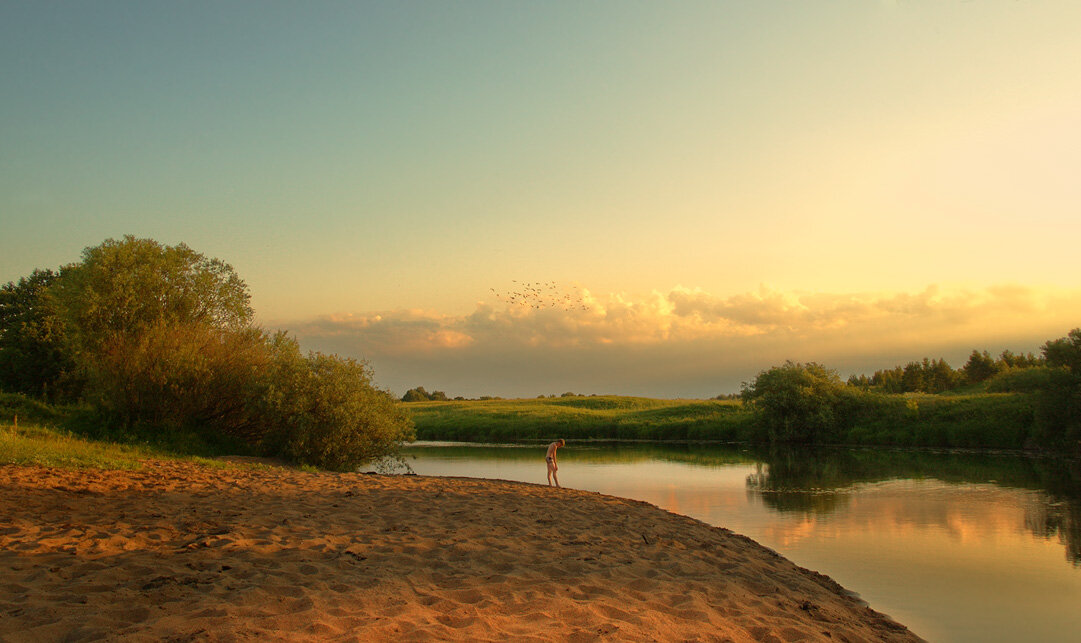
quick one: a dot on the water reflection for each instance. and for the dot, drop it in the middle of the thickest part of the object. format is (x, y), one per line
(818, 481)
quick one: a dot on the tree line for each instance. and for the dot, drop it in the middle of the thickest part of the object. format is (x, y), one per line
(936, 375)
(154, 339)
(809, 403)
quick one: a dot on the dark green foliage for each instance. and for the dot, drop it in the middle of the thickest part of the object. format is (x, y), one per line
(28, 409)
(974, 421)
(420, 395)
(163, 344)
(936, 375)
(34, 359)
(323, 410)
(927, 376)
(1058, 406)
(797, 402)
(1020, 380)
(1065, 352)
(416, 395)
(180, 376)
(1008, 360)
(124, 287)
(980, 367)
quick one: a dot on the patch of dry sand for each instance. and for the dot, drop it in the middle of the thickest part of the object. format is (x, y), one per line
(181, 552)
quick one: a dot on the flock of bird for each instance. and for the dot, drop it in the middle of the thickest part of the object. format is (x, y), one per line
(541, 294)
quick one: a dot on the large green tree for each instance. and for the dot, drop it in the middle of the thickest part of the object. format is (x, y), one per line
(122, 288)
(162, 338)
(1058, 411)
(980, 367)
(796, 402)
(33, 350)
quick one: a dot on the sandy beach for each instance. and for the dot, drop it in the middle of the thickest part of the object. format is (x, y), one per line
(183, 552)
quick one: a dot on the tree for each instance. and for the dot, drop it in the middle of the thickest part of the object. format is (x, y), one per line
(796, 402)
(417, 394)
(324, 411)
(1058, 404)
(912, 378)
(1065, 352)
(980, 367)
(33, 353)
(181, 376)
(163, 339)
(940, 377)
(125, 287)
(161, 335)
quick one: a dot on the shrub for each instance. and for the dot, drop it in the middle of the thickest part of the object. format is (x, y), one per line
(1020, 380)
(324, 411)
(796, 402)
(180, 376)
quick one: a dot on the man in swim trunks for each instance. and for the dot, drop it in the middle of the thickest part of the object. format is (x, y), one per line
(550, 457)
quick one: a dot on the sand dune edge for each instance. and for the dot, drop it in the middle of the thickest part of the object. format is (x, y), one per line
(182, 552)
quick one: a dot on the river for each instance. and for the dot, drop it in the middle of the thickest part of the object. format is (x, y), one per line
(959, 547)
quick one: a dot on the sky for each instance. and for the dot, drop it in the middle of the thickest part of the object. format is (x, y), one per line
(695, 191)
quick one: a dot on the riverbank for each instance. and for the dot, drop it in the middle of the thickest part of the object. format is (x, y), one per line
(177, 550)
(1003, 421)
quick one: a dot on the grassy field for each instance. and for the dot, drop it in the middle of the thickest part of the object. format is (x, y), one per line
(599, 417)
(52, 447)
(985, 420)
(32, 432)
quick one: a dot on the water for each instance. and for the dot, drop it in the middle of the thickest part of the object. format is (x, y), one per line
(958, 547)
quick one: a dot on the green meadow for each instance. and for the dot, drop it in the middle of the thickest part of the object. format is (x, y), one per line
(983, 420)
(606, 417)
(35, 433)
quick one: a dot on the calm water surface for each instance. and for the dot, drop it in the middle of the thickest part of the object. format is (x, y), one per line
(958, 547)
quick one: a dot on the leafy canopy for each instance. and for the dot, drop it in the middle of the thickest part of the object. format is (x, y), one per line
(33, 357)
(125, 287)
(795, 402)
(161, 341)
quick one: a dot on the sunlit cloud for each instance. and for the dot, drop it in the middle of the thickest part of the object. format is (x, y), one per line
(686, 337)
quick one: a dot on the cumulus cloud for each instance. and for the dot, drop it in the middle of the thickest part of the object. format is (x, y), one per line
(687, 338)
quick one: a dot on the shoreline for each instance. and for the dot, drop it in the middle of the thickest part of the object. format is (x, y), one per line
(188, 552)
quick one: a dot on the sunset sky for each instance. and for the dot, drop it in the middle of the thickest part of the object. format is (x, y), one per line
(702, 189)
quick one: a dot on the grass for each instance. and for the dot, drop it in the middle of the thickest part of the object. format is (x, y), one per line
(47, 446)
(590, 418)
(978, 421)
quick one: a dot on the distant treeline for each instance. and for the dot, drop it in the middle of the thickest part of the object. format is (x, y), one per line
(936, 375)
(419, 394)
(1020, 402)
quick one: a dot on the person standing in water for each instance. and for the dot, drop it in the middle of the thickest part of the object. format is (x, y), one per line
(550, 458)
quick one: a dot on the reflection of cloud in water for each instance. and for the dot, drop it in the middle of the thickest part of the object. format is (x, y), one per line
(970, 515)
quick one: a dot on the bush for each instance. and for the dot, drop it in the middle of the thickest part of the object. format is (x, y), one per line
(324, 411)
(180, 376)
(797, 402)
(1021, 380)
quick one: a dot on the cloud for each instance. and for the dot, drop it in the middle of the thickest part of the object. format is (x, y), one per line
(685, 341)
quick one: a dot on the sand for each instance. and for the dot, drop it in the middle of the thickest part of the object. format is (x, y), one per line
(183, 552)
